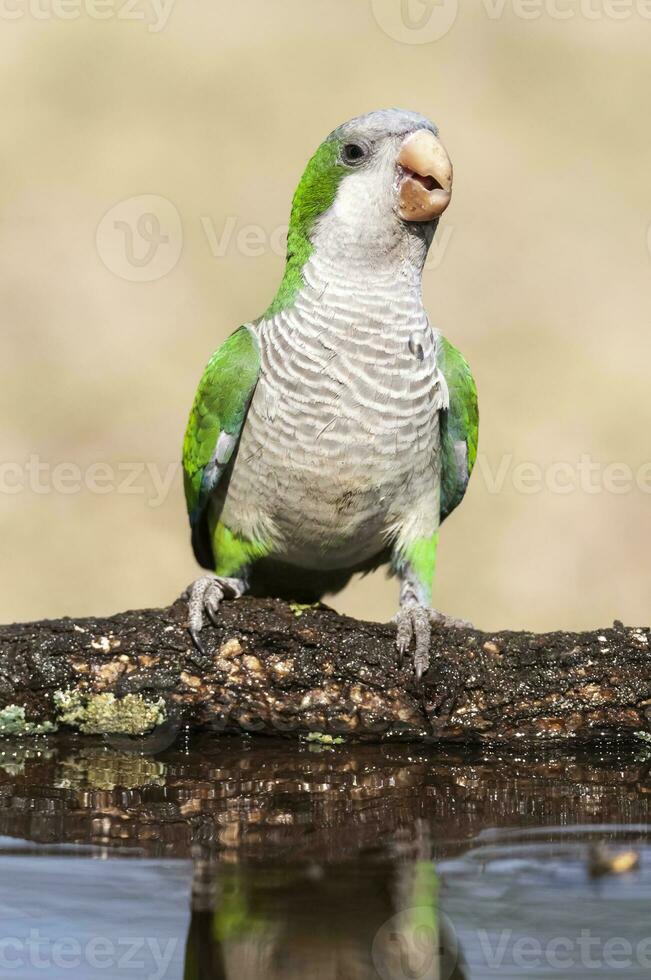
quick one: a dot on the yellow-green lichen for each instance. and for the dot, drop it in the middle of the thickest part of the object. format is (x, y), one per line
(70, 707)
(13, 723)
(298, 608)
(98, 714)
(323, 739)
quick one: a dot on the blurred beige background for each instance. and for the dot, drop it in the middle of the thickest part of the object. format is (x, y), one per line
(206, 113)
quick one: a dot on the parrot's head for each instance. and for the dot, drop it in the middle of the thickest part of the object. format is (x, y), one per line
(375, 187)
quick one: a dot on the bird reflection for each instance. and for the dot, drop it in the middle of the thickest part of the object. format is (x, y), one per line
(357, 920)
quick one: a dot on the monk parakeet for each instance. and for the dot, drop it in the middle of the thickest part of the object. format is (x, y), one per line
(337, 431)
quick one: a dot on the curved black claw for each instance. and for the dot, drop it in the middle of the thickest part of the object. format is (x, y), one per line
(196, 639)
(213, 613)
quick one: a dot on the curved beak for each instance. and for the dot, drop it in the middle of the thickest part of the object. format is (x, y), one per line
(425, 177)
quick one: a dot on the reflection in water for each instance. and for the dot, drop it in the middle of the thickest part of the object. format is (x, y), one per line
(265, 800)
(108, 770)
(356, 920)
(350, 862)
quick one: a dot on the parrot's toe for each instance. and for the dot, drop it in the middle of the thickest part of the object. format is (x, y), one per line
(205, 596)
(212, 599)
(414, 626)
(440, 619)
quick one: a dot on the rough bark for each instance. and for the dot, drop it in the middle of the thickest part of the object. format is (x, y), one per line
(277, 669)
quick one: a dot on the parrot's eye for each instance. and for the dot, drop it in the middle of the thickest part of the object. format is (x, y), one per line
(353, 153)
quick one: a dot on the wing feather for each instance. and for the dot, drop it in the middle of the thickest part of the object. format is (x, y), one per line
(214, 427)
(459, 428)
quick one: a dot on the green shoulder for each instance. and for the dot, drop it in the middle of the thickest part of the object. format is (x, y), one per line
(459, 427)
(217, 417)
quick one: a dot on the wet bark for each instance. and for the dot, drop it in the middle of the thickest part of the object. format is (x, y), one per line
(276, 669)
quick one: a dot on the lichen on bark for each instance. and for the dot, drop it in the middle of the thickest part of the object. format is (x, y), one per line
(268, 670)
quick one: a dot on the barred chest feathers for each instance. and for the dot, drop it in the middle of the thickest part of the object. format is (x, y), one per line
(343, 427)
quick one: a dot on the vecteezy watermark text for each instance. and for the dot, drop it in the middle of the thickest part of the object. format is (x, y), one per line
(587, 950)
(154, 13)
(153, 481)
(252, 241)
(140, 239)
(405, 948)
(563, 477)
(425, 21)
(149, 480)
(150, 957)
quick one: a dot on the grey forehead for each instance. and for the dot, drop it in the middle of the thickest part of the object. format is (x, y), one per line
(384, 122)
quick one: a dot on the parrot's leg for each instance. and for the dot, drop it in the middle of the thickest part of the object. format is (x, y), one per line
(234, 555)
(205, 595)
(415, 569)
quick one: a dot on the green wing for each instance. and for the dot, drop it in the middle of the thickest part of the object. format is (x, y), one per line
(459, 428)
(215, 426)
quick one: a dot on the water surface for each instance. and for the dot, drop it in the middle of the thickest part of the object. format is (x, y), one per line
(243, 858)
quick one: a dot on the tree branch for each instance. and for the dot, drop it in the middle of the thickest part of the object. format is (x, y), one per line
(277, 669)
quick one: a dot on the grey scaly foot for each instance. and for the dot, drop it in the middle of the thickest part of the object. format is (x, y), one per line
(205, 595)
(440, 619)
(415, 626)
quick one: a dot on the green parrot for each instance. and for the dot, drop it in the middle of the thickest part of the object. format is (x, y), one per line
(337, 431)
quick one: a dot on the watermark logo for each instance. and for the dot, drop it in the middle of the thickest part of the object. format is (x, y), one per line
(140, 239)
(421, 943)
(415, 21)
(425, 21)
(418, 943)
